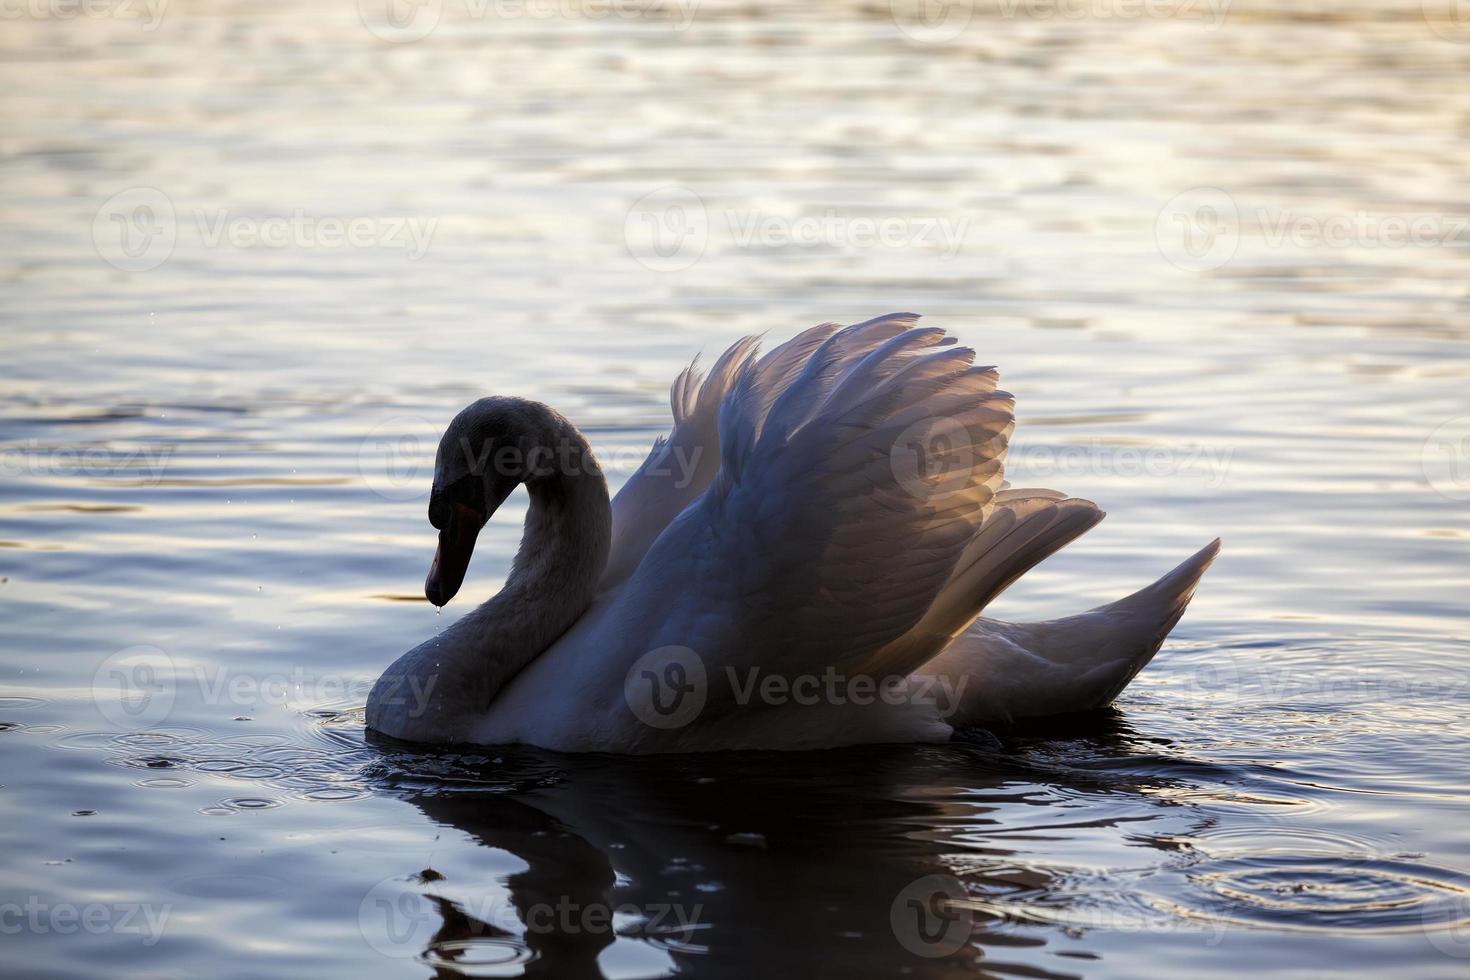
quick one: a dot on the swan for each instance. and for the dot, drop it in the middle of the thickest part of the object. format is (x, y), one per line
(801, 563)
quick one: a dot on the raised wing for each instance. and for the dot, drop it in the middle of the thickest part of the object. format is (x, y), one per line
(851, 480)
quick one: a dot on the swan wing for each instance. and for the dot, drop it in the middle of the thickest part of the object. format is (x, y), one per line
(1027, 526)
(683, 464)
(844, 500)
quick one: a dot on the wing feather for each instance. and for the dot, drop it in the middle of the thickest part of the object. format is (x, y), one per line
(838, 517)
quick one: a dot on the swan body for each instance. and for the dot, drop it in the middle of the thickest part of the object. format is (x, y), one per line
(801, 563)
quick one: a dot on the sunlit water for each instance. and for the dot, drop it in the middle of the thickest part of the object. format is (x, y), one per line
(216, 448)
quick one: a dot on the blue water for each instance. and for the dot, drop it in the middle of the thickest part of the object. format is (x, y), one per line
(256, 256)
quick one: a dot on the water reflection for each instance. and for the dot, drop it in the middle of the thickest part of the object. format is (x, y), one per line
(829, 862)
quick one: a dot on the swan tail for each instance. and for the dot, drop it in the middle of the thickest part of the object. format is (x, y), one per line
(998, 673)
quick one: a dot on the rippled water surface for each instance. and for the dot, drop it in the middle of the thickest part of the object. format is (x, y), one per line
(1221, 262)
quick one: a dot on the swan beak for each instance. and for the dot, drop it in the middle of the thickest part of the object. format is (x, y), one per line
(456, 544)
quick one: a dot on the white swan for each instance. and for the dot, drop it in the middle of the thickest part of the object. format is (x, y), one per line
(800, 564)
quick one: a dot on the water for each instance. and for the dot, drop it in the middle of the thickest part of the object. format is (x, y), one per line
(1223, 269)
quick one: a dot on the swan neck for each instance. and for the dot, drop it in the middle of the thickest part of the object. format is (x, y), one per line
(554, 576)
(439, 690)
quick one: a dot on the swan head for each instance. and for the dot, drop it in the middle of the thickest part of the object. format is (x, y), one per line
(482, 457)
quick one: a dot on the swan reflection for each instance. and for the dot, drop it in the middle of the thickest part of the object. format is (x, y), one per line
(849, 862)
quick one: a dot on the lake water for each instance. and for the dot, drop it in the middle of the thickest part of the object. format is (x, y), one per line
(256, 255)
